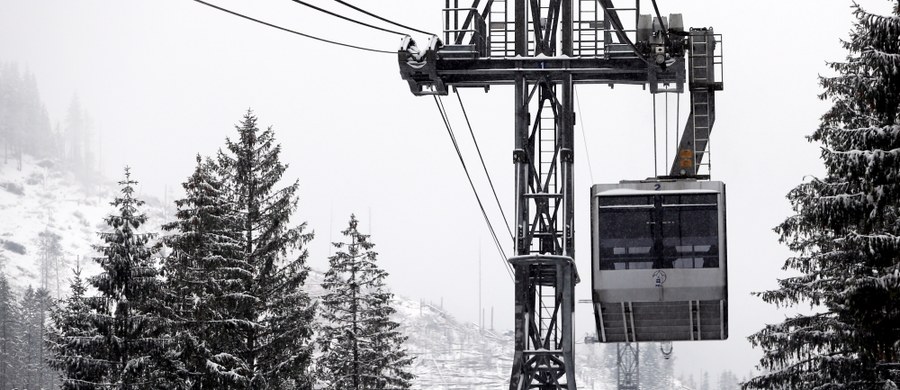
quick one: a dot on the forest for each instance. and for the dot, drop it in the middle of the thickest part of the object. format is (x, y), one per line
(218, 301)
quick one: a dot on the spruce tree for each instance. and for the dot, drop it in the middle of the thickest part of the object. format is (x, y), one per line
(49, 258)
(205, 277)
(361, 346)
(35, 306)
(30, 339)
(728, 381)
(127, 312)
(75, 135)
(12, 114)
(845, 231)
(277, 324)
(10, 339)
(68, 340)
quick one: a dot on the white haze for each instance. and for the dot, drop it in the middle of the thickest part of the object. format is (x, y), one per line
(167, 79)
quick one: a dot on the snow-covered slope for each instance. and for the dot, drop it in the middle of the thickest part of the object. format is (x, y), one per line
(43, 195)
(453, 355)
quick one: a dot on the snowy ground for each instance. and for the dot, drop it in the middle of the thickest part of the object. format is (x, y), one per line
(42, 196)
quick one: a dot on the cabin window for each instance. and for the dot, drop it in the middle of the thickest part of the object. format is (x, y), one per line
(662, 231)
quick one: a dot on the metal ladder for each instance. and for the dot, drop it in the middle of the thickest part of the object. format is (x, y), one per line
(501, 31)
(701, 123)
(546, 180)
(702, 78)
(545, 315)
(588, 29)
(547, 147)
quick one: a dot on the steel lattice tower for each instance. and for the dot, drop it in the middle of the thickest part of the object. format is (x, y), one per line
(543, 48)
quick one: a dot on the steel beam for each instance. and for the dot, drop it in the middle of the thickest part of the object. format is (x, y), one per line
(499, 71)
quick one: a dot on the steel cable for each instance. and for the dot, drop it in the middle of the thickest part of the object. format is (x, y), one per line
(443, 112)
(293, 31)
(587, 151)
(351, 20)
(484, 166)
(381, 18)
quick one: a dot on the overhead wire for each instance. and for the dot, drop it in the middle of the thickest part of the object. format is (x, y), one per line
(240, 15)
(484, 166)
(665, 32)
(349, 19)
(444, 117)
(381, 18)
(587, 151)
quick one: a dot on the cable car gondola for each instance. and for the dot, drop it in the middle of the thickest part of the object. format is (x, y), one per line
(659, 270)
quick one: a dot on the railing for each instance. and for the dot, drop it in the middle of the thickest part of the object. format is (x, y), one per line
(464, 26)
(594, 34)
(718, 64)
(492, 33)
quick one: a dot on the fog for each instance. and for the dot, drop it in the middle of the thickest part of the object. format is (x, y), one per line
(165, 80)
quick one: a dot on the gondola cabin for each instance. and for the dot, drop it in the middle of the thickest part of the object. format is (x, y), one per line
(659, 270)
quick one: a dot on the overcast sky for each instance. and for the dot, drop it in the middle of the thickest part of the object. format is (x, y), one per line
(167, 79)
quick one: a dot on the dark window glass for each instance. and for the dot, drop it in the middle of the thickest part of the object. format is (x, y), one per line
(677, 231)
(626, 238)
(690, 237)
(625, 200)
(690, 199)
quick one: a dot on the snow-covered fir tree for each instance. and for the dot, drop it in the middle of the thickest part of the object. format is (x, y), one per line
(728, 381)
(361, 346)
(10, 339)
(205, 279)
(50, 260)
(68, 338)
(846, 231)
(36, 373)
(276, 327)
(656, 371)
(126, 313)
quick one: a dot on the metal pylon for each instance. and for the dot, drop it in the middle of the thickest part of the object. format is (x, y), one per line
(628, 372)
(543, 68)
(545, 272)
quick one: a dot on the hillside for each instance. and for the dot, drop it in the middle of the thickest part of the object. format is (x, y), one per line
(45, 197)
